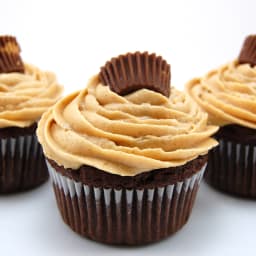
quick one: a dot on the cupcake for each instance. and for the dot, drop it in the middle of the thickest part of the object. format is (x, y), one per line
(25, 93)
(127, 153)
(228, 95)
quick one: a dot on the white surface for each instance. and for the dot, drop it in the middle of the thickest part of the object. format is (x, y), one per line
(73, 39)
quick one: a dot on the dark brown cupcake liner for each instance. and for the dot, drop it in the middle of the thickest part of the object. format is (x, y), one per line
(133, 71)
(22, 164)
(232, 168)
(124, 216)
(10, 60)
(248, 51)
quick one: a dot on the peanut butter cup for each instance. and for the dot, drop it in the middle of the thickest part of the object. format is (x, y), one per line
(133, 71)
(248, 51)
(10, 60)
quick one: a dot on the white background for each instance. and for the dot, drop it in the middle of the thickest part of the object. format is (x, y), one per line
(74, 39)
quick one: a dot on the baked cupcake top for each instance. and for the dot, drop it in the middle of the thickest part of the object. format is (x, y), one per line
(125, 134)
(26, 92)
(228, 94)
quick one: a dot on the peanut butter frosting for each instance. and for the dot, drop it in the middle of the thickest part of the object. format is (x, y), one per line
(124, 135)
(227, 94)
(25, 97)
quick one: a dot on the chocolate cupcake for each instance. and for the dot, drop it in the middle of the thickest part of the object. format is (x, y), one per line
(228, 95)
(125, 157)
(25, 93)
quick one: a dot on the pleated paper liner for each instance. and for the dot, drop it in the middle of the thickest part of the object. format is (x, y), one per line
(10, 59)
(125, 216)
(22, 164)
(232, 168)
(248, 51)
(127, 73)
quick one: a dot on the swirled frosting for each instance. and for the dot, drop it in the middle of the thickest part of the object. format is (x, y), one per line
(25, 97)
(124, 135)
(227, 94)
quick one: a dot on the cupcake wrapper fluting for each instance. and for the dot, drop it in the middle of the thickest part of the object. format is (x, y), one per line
(124, 216)
(22, 164)
(232, 168)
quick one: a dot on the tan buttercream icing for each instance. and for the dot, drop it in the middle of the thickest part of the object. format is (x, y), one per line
(227, 94)
(124, 135)
(25, 97)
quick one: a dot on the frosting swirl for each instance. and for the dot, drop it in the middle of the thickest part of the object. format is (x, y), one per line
(126, 135)
(25, 97)
(227, 94)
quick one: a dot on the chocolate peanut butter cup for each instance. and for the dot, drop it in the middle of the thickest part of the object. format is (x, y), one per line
(22, 162)
(10, 60)
(133, 71)
(227, 95)
(126, 170)
(248, 51)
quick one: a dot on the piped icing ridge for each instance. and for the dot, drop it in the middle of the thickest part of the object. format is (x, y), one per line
(227, 94)
(25, 97)
(124, 135)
